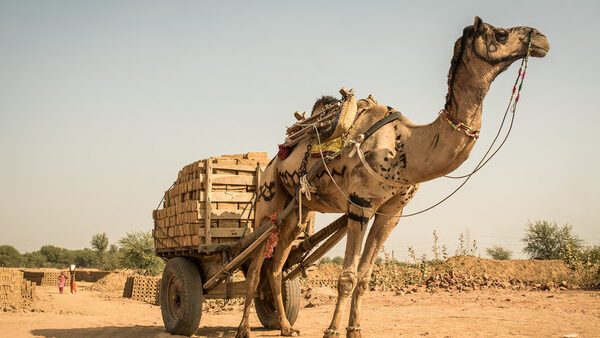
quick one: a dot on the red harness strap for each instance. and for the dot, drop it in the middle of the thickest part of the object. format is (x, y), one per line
(273, 238)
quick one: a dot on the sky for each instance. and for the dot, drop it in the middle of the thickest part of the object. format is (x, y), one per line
(101, 104)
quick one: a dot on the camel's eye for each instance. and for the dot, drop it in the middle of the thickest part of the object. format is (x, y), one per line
(501, 35)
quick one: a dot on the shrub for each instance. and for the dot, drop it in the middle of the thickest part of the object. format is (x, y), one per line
(137, 252)
(338, 260)
(499, 253)
(548, 240)
(325, 260)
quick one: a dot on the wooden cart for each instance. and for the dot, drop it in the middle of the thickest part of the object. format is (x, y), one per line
(206, 231)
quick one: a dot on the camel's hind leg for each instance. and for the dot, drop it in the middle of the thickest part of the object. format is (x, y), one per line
(290, 229)
(252, 280)
(271, 198)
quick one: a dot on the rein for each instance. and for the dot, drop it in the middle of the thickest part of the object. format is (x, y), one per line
(512, 107)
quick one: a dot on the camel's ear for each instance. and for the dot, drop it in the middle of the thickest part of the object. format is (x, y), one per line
(478, 25)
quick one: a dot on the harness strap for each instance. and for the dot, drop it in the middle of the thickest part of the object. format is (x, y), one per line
(390, 118)
(360, 139)
(370, 170)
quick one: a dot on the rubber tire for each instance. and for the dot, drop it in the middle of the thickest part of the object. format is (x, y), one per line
(181, 316)
(265, 309)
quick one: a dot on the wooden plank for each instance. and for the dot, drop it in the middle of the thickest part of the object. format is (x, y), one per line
(239, 167)
(226, 232)
(238, 290)
(228, 214)
(225, 196)
(212, 281)
(258, 156)
(208, 199)
(329, 243)
(230, 179)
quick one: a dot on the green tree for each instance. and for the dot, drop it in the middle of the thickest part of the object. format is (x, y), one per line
(499, 253)
(137, 252)
(10, 257)
(85, 258)
(113, 248)
(99, 244)
(34, 259)
(56, 257)
(338, 260)
(112, 260)
(325, 260)
(548, 240)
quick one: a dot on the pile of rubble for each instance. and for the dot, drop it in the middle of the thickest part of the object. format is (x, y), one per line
(453, 281)
(407, 279)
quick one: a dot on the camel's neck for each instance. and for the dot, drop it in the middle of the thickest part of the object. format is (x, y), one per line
(471, 83)
(438, 149)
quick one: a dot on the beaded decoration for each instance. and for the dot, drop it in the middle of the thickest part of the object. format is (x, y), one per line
(456, 124)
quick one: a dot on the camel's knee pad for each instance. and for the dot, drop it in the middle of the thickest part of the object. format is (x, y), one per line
(346, 283)
(362, 286)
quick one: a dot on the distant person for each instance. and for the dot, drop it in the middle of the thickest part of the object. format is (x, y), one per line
(73, 289)
(61, 281)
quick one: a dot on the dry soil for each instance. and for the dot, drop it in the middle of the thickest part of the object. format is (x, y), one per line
(489, 313)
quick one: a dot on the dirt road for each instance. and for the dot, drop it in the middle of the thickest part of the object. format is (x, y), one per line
(490, 313)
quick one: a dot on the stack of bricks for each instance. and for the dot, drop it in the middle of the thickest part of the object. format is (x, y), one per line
(218, 192)
(146, 289)
(51, 278)
(128, 289)
(14, 290)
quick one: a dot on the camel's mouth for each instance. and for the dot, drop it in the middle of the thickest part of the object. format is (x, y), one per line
(540, 46)
(539, 51)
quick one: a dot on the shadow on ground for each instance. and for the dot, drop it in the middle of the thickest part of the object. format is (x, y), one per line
(133, 331)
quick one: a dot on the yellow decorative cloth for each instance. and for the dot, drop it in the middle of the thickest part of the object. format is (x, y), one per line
(328, 147)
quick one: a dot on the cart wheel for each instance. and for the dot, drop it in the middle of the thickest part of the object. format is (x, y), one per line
(265, 307)
(181, 296)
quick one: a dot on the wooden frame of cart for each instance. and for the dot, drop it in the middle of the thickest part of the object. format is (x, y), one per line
(206, 231)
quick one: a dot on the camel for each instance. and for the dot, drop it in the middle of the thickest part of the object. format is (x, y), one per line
(401, 153)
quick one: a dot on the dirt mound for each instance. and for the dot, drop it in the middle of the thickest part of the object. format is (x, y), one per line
(113, 282)
(522, 269)
(456, 273)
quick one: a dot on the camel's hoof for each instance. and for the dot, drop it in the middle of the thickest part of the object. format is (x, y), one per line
(242, 333)
(353, 332)
(329, 333)
(290, 332)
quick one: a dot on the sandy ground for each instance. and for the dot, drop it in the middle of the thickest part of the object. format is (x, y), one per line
(490, 313)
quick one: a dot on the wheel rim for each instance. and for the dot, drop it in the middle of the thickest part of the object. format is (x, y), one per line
(173, 296)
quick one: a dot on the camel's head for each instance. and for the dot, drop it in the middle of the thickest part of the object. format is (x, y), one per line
(505, 45)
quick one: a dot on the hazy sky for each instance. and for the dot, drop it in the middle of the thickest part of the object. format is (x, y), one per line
(101, 104)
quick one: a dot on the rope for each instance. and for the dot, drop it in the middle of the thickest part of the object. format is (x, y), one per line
(305, 188)
(512, 109)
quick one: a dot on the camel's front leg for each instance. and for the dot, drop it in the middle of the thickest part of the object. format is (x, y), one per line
(357, 224)
(380, 231)
(289, 231)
